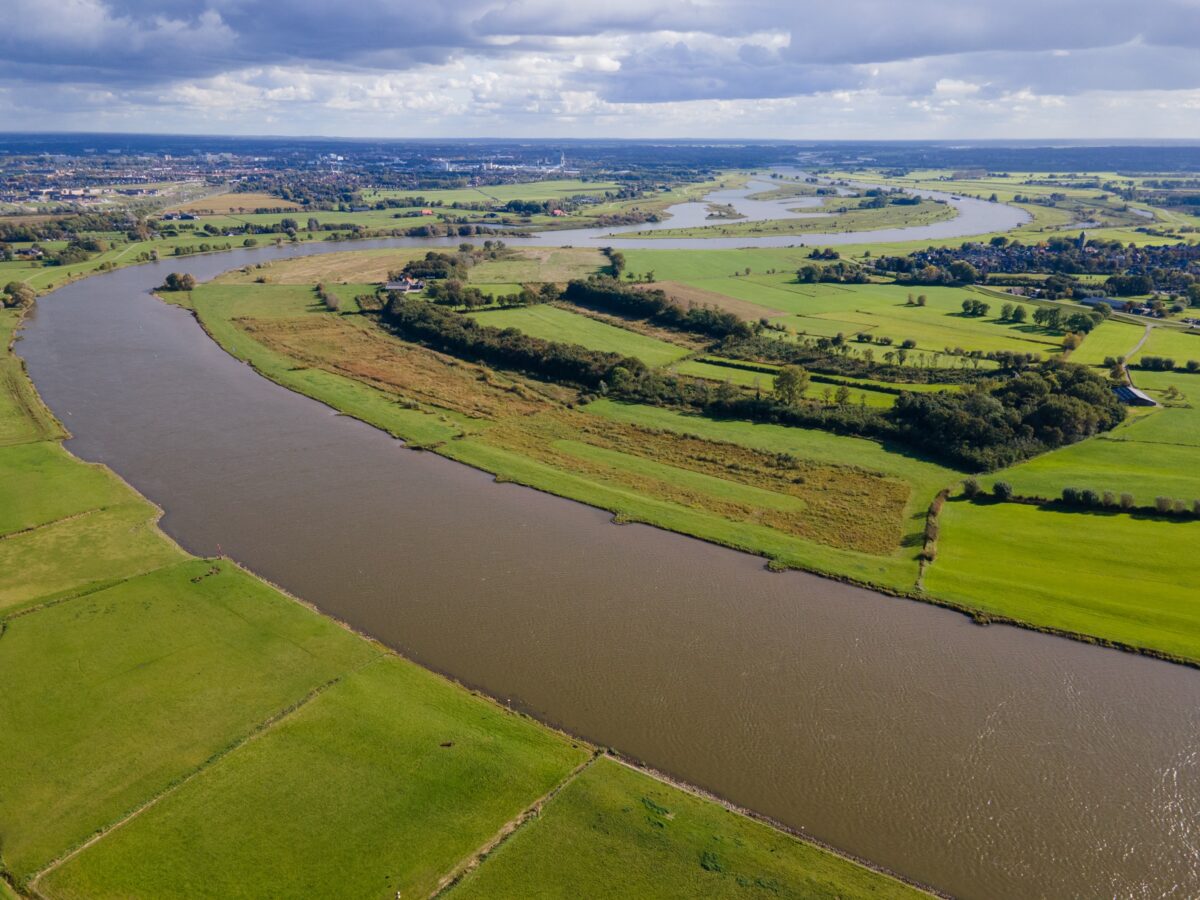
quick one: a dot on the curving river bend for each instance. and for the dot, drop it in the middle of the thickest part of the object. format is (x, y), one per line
(988, 762)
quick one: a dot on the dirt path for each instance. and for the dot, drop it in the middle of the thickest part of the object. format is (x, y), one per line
(1133, 352)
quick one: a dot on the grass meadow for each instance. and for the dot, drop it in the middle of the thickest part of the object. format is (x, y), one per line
(611, 832)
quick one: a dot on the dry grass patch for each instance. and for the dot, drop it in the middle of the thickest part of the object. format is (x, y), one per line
(352, 267)
(224, 204)
(839, 506)
(688, 295)
(408, 371)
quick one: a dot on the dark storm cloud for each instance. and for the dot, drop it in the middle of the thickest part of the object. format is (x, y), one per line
(669, 50)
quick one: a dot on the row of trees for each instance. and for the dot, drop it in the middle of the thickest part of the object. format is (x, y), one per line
(609, 295)
(508, 348)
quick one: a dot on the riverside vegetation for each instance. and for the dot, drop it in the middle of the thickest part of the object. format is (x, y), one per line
(173, 726)
(635, 397)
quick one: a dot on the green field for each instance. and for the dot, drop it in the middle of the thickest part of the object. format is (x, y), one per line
(611, 833)
(881, 310)
(378, 787)
(553, 323)
(1118, 578)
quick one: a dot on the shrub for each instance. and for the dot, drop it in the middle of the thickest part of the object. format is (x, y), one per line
(1088, 497)
(1162, 504)
(1002, 490)
(1179, 507)
(972, 488)
(1193, 365)
(1070, 496)
(1127, 501)
(1110, 499)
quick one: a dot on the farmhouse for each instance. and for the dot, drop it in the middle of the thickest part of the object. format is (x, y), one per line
(406, 285)
(1131, 396)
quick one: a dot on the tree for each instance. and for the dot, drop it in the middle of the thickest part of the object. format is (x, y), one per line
(19, 294)
(1019, 314)
(790, 385)
(1002, 490)
(178, 281)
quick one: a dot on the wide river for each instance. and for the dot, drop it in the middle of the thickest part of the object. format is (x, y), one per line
(989, 762)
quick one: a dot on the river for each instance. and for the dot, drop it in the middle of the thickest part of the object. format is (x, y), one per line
(989, 762)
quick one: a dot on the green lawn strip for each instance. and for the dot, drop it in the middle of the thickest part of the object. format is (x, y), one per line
(41, 483)
(343, 394)
(616, 832)
(1120, 578)
(23, 416)
(895, 573)
(111, 697)
(552, 323)
(73, 554)
(376, 788)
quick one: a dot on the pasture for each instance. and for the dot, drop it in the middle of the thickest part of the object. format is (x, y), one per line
(378, 786)
(236, 202)
(553, 323)
(614, 831)
(1120, 578)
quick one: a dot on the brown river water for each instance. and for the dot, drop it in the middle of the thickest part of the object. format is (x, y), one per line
(988, 762)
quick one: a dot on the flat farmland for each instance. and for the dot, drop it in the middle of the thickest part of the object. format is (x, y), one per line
(535, 191)
(378, 786)
(1097, 587)
(225, 204)
(616, 832)
(553, 323)
(881, 310)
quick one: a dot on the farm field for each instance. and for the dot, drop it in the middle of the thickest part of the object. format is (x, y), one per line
(549, 189)
(1095, 586)
(554, 323)
(881, 310)
(173, 726)
(611, 833)
(379, 785)
(237, 202)
(763, 381)
(1174, 343)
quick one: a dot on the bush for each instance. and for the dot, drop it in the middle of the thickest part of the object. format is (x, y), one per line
(1070, 496)
(972, 488)
(1109, 500)
(1127, 501)
(1089, 498)
(1162, 504)
(1002, 490)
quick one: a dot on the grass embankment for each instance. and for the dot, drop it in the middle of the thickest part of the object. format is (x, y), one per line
(174, 727)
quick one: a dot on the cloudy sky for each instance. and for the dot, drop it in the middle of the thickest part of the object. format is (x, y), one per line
(805, 69)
